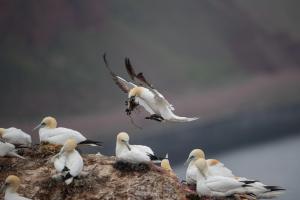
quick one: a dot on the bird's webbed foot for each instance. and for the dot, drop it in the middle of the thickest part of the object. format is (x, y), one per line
(155, 117)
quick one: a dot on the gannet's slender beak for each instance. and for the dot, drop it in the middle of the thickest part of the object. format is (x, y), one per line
(187, 161)
(38, 126)
(128, 146)
(3, 188)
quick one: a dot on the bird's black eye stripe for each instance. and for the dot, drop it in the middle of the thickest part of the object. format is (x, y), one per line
(43, 124)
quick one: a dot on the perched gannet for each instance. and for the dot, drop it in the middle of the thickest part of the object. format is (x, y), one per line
(132, 153)
(7, 149)
(48, 132)
(146, 96)
(217, 186)
(15, 136)
(10, 187)
(217, 168)
(192, 172)
(259, 189)
(68, 161)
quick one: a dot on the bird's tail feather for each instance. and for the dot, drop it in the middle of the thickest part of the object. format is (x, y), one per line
(14, 154)
(183, 119)
(91, 143)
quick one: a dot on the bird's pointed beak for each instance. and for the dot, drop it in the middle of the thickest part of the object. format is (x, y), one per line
(187, 161)
(38, 126)
(128, 146)
(3, 188)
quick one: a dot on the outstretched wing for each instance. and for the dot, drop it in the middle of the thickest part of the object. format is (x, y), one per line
(140, 76)
(124, 85)
(130, 69)
(131, 72)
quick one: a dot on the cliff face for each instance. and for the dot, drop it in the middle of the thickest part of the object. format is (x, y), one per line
(101, 179)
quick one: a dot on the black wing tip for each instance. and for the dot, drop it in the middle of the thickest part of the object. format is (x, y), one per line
(154, 157)
(104, 58)
(91, 142)
(274, 188)
(248, 181)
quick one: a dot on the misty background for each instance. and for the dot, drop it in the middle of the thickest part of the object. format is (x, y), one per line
(234, 64)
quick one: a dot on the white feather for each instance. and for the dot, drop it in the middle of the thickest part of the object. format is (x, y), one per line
(159, 105)
(219, 186)
(16, 136)
(13, 196)
(59, 135)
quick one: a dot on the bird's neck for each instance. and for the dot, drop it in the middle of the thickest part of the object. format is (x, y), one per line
(120, 148)
(11, 190)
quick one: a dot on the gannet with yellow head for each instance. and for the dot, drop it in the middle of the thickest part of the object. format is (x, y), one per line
(192, 172)
(11, 185)
(15, 136)
(259, 189)
(49, 132)
(146, 96)
(68, 162)
(132, 153)
(217, 186)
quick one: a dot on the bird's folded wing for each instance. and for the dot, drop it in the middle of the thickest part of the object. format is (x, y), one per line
(223, 184)
(142, 148)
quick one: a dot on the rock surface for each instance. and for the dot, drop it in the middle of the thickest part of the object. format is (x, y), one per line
(101, 179)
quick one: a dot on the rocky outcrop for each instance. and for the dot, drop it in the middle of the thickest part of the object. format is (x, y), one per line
(102, 178)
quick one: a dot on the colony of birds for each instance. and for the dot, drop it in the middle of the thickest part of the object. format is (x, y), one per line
(207, 177)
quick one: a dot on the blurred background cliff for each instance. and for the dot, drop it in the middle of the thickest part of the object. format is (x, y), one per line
(235, 64)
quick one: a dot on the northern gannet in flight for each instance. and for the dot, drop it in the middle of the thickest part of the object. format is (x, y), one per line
(217, 186)
(49, 132)
(7, 149)
(10, 187)
(15, 136)
(68, 162)
(217, 168)
(145, 95)
(132, 153)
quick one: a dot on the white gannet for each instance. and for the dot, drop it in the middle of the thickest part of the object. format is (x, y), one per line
(15, 136)
(259, 189)
(132, 153)
(49, 132)
(192, 172)
(7, 149)
(10, 187)
(217, 186)
(146, 96)
(68, 162)
(217, 168)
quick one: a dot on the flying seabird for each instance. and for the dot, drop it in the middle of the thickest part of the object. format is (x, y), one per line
(133, 153)
(68, 162)
(49, 132)
(146, 95)
(7, 149)
(15, 136)
(10, 187)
